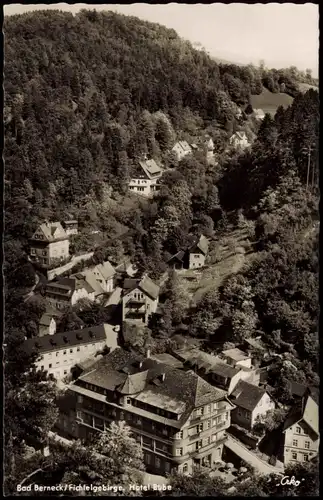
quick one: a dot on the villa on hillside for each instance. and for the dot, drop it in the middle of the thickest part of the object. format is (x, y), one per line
(251, 402)
(181, 149)
(239, 140)
(145, 180)
(49, 244)
(299, 436)
(192, 257)
(140, 298)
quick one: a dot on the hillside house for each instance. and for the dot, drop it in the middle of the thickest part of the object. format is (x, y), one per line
(70, 226)
(145, 180)
(236, 357)
(178, 261)
(178, 419)
(49, 244)
(105, 272)
(100, 278)
(239, 140)
(259, 114)
(139, 299)
(250, 402)
(192, 257)
(60, 352)
(181, 149)
(197, 252)
(66, 292)
(47, 324)
(300, 435)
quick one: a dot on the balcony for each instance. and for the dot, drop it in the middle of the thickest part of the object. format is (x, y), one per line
(136, 302)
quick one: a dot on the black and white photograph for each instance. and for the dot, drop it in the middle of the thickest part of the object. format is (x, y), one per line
(161, 250)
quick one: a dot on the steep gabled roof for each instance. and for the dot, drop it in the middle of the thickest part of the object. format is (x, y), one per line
(145, 284)
(179, 256)
(201, 244)
(106, 269)
(224, 370)
(305, 410)
(247, 395)
(183, 145)
(90, 278)
(150, 168)
(79, 282)
(51, 231)
(46, 319)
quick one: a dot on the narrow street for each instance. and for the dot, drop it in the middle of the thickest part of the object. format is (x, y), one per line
(251, 458)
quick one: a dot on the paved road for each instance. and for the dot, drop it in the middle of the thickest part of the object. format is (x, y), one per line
(251, 458)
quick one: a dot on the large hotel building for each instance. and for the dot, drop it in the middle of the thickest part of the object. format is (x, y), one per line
(178, 418)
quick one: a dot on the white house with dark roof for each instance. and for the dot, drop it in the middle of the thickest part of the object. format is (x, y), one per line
(239, 140)
(197, 252)
(145, 180)
(49, 244)
(300, 437)
(139, 299)
(251, 402)
(60, 352)
(178, 419)
(181, 149)
(192, 257)
(47, 324)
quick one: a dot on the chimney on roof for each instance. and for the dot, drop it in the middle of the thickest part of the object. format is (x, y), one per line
(140, 364)
(162, 377)
(148, 353)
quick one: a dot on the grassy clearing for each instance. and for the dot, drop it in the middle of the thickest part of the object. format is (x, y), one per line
(304, 87)
(227, 256)
(269, 102)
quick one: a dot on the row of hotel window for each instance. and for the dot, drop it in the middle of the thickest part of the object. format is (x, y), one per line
(77, 349)
(152, 409)
(153, 444)
(90, 419)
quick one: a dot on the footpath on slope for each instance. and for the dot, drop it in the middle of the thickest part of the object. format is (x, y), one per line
(248, 456)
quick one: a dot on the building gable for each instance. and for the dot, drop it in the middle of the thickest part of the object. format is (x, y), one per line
(40, 235)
